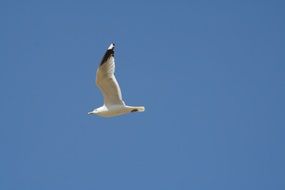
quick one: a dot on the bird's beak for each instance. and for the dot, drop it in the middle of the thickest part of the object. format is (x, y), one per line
(90, 113)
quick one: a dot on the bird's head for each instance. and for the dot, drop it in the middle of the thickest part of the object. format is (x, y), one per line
(95, 111)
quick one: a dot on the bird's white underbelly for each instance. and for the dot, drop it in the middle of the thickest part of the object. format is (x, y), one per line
(114, 111)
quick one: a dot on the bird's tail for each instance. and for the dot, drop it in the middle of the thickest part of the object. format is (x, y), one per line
(136, 108)
(140, 108)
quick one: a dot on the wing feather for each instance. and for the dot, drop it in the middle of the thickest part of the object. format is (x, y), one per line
(106, 80)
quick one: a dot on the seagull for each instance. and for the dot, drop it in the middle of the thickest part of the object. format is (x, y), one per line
(110, 89)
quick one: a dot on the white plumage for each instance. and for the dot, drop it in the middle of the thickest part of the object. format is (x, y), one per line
(110, 89)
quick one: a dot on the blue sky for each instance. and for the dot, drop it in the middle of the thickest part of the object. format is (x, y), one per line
(211, 75)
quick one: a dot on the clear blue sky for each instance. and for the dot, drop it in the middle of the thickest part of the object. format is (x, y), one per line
(211, 75)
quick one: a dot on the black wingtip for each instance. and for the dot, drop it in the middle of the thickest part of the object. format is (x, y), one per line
(112, 46)
(109, 53)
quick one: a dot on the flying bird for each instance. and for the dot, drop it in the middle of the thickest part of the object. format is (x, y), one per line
(110, 89)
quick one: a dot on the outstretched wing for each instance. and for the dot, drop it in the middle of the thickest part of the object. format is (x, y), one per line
(106, 80)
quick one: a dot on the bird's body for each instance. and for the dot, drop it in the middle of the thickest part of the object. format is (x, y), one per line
(107, 83)
(116, 110)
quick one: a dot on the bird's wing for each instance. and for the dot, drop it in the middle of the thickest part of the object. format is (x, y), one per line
(106, 80)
